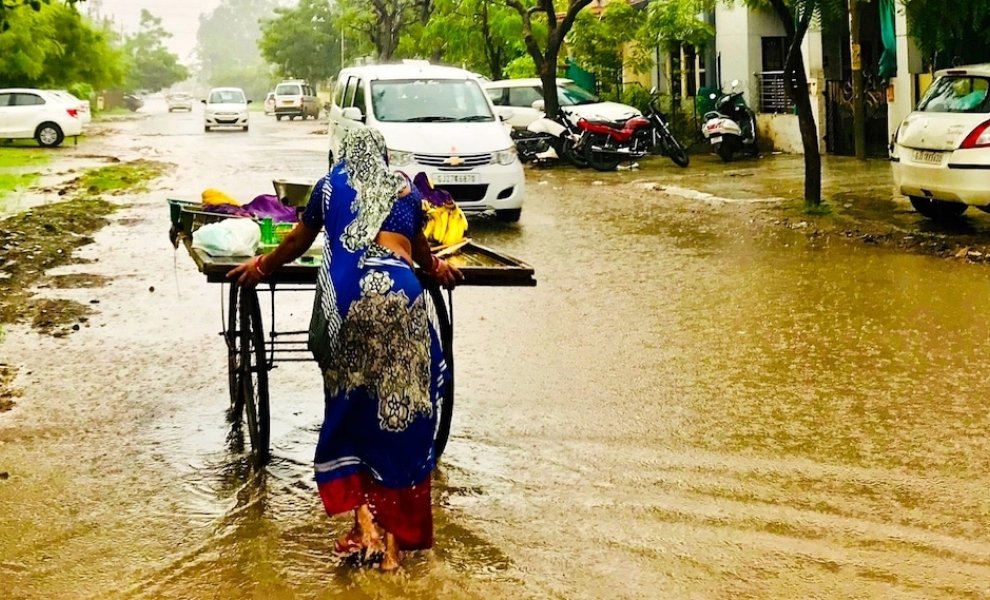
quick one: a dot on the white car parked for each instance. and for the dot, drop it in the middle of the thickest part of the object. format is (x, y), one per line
(514, 99)
(38, 114)
(437, 120)
(941, 151)
(84, 113)
(226, 107)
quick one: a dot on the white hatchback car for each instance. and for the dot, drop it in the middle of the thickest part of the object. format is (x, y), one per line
(941, 151)
(514, 99)
(39, 114)
(226, 107)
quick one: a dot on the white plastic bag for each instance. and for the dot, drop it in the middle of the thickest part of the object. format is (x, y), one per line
(230, 237)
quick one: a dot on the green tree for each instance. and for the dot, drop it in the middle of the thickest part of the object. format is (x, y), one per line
(152, 66)
(57, 47)
(7, 8)
(481, 35)
(596, 43)
(545, 58)
(381, 22)
(950, 32)
(303, 41)
(227, 46)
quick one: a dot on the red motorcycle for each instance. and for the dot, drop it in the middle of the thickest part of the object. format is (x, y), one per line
(606, 143)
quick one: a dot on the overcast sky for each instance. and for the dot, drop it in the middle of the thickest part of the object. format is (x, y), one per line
(179, 17)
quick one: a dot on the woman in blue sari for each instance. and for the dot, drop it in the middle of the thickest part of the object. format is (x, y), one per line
(378, 347)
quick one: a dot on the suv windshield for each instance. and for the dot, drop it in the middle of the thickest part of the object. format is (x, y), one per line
(957, 94)
(227, 97)
(429, 100)
(287, 89)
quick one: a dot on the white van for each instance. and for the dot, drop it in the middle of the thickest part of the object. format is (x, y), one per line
(437, 120)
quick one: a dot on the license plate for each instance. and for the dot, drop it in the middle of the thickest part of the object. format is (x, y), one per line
(445, 178)
(928, 157)
(715, 139)
(286, 102)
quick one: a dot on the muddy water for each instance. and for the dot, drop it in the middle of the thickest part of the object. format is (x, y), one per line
(687, 406)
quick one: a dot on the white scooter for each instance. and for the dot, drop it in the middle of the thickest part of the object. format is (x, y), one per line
(731, 127)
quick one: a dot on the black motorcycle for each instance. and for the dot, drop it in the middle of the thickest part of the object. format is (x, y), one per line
(605, 144)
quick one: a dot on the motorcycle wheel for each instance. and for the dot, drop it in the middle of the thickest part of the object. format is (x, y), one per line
(724, 151)
(600, 161)
(566, 151)
(676, 152)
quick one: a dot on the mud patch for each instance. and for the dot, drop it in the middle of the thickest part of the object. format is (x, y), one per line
(7, 390)
(76, 281)
(58, 317)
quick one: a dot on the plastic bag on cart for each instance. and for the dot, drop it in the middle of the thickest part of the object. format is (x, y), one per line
(230, 237)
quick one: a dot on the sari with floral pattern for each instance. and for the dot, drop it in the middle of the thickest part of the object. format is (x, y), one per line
(386, 374)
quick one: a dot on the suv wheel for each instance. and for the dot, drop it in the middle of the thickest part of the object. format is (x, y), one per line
(49, 135)
(510, 215)
(938, 210)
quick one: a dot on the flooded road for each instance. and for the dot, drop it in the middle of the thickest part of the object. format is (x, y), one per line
(688, 405)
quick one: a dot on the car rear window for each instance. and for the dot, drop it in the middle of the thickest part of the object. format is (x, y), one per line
(287, 89)
(957, 94)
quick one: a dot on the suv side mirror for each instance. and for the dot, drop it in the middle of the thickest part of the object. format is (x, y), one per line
(353, 113)
(538, 105)
(203, 100)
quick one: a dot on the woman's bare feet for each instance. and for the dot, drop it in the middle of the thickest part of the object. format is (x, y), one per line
(390, 561)
(371, 540)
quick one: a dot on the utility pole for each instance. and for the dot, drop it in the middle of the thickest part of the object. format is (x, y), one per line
(856, 60)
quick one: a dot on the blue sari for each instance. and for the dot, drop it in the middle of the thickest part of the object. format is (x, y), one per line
(386, 374)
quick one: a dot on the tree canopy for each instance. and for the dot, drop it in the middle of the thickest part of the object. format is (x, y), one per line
(303, 42)
(55, 46)
(382, 22)
(152, 66)
(7, 8)
(950, 32)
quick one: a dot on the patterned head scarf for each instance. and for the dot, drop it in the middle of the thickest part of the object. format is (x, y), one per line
(363, 153)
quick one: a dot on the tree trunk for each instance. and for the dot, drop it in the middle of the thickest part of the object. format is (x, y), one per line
(809, 137)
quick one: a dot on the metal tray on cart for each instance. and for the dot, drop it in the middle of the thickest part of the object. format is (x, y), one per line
(252, 350)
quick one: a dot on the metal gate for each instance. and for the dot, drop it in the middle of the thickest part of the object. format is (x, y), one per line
(839, 116)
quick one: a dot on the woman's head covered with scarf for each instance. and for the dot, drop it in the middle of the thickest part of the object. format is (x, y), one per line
(364, 155)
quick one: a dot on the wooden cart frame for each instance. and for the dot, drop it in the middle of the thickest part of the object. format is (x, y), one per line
(252, 351)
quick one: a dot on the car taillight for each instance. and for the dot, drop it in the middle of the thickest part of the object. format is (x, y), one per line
(72, 112)
(978, 138)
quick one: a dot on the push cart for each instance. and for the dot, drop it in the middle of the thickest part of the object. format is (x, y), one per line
(253, 351)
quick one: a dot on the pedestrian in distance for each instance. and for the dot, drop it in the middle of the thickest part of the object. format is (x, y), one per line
(375, 336)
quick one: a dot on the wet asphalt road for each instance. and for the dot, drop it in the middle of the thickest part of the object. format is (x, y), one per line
(686, 406)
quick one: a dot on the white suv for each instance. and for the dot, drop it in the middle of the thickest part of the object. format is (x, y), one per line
(294, 98)
(226, 107)
(42, 115)
(941, 151)
(437, 120)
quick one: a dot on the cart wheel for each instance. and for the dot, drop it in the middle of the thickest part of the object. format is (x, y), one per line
(232, 337)
(253, 373)
(447, 342)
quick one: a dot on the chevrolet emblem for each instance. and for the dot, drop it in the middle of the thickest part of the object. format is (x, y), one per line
(454, 161)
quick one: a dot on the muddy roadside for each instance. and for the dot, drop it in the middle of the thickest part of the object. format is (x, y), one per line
(35, 241)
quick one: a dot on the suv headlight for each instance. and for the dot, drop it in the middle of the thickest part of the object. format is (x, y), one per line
(399, 158)
(506, 157)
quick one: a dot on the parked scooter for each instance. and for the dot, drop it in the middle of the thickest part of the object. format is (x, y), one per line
(607, 143)
(731, 127)
(559, 134)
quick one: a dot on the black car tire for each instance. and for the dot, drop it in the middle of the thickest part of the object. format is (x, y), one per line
(508, 215)
(48, 135)
(938, 210)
